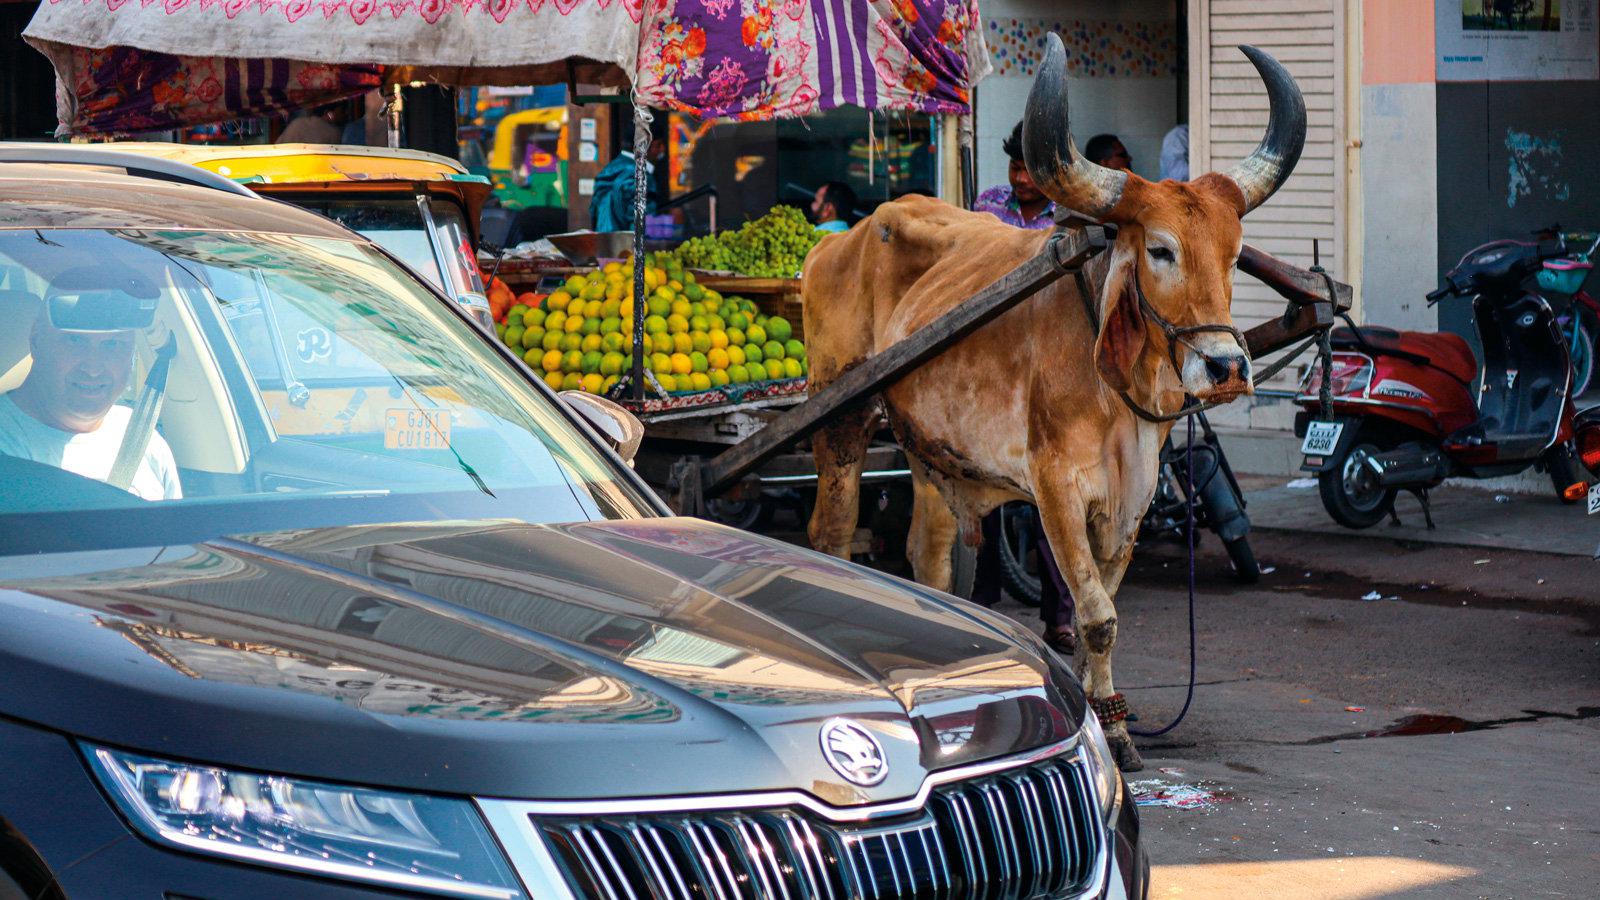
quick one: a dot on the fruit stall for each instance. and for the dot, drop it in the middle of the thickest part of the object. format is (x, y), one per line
(724, 350)
(721, 322)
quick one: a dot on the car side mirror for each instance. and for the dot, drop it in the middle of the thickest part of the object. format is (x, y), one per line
(618, 427)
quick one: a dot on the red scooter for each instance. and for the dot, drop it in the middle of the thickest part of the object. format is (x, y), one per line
(1406, 416)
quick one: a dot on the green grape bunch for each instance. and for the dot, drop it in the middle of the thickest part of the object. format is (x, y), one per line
(773, 246)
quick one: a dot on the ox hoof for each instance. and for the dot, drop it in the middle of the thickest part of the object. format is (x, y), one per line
(1128, 759)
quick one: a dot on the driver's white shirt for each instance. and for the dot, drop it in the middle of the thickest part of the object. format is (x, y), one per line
(90, 454)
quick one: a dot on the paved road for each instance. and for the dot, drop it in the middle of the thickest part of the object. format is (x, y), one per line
(1493, 792)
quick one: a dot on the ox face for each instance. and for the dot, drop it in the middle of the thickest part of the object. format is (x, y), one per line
(1177, 242)
(1181, 244)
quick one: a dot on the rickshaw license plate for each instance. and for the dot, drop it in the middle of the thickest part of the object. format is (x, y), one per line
(416, 429)
(1321, 438)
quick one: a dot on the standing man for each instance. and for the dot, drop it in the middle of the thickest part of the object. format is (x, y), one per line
(1175, 154)
(612, 206)
(833, 207)
(1017, 202)
(1107, 150)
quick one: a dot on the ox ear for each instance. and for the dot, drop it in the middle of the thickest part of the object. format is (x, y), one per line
(1122, 333)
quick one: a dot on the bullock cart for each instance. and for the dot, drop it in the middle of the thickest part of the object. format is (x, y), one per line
(727, 457)
(736, 452)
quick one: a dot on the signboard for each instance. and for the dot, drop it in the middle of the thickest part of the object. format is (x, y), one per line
(1516, 40)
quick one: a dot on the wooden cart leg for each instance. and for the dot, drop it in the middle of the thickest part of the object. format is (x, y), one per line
(688, 494)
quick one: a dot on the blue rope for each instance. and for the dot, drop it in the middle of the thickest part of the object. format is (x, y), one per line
(1188, 697)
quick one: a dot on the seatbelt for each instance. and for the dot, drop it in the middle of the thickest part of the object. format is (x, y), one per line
(142, 425)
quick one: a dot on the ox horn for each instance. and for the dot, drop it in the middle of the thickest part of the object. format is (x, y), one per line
(1053, 160)
(1265, 170)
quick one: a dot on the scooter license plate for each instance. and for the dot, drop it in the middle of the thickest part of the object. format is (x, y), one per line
(1321, 438)
(1594, 498)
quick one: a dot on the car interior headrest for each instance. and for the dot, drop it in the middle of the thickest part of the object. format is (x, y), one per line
(17, 310)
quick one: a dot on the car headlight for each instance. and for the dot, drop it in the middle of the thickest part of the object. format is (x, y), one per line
(1102, 766)
(410, 841)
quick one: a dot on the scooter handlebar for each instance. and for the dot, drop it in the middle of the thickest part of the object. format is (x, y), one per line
(1440, 294)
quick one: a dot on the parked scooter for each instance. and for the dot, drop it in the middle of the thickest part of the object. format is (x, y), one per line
(1404, 412)
(1219, 508)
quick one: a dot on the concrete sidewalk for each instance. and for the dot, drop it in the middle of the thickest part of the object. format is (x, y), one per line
(1467, 512)
(1464, 515)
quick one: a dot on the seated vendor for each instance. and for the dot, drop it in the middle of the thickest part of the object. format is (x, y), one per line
(65, 413)
(833, 207)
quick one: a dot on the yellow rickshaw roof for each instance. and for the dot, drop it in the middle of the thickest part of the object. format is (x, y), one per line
(265, 164)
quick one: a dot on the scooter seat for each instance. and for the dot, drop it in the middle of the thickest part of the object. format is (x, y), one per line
(1441, 349)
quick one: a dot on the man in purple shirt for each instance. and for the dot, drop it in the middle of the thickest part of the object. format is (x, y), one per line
(1018, 202)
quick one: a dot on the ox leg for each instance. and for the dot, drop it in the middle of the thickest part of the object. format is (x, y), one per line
(840, 451)
(1066, 524)
(933, 533)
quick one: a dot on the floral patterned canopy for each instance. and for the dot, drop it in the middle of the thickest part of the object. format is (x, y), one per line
(139, 65)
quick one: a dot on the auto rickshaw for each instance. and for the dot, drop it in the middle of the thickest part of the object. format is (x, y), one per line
(421, 207)
(528, 163)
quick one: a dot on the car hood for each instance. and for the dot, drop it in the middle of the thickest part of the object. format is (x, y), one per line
(612, 659)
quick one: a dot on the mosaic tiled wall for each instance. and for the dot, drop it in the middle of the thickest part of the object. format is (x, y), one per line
(1095, 48)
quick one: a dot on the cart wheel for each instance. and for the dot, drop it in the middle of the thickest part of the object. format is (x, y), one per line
(745, 515)
(1019, 529)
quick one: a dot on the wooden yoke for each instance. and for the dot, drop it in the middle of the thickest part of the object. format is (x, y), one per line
(1310, 307)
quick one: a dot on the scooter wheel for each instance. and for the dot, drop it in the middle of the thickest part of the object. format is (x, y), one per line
(1350, 490)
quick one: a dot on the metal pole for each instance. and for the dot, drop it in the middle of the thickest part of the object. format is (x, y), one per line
(968, 160)
(641, 148)
(394, 118)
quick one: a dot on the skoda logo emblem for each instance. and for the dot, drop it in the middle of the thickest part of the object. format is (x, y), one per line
(853, 752)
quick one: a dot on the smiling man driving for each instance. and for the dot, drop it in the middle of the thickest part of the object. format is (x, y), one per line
(65, 414)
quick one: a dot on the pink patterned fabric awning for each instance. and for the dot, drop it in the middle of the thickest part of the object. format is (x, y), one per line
(139, 65)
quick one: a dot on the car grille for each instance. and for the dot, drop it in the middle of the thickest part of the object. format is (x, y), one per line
(1023, 833)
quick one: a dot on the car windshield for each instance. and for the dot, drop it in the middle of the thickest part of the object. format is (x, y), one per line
(162, 387)
(396, 225)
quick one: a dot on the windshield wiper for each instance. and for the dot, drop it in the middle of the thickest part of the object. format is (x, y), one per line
(412, 392)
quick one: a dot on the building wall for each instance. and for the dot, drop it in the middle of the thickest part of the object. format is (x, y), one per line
(1399, 114)
(1130, 90)
(1513, 157)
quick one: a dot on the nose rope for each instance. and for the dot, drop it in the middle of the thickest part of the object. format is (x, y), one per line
(1179, 335)
(1176, 335)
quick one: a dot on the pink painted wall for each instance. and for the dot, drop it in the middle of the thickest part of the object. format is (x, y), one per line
(1397, 41)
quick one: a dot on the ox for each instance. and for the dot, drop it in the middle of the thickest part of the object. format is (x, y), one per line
(1038, 405)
